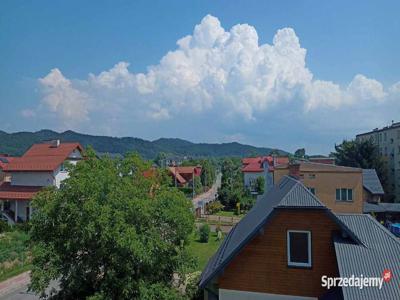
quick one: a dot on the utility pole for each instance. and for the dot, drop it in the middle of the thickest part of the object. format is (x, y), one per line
(193, 183)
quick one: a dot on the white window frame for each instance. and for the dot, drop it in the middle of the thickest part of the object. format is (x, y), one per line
(297, 264)
(347, 195)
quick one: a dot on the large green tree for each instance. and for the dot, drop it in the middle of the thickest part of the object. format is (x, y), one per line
(232, 189)
(361, 154)
(110, 233)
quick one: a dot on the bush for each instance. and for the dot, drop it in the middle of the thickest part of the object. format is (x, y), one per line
(4, 227)
(215, 207)
(204, 233)
(25, 226)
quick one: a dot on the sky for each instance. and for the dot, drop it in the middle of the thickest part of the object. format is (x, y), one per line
(282, 74)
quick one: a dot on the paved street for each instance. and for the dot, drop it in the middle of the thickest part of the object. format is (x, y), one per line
(208, 196)
(16, 288)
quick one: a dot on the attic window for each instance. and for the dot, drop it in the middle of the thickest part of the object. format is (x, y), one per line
(299, 248)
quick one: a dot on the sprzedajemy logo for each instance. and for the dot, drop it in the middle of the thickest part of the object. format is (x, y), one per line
(356, 281)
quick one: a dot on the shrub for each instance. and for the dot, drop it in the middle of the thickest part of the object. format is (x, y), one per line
(215, 207)
(25, 226)
(4, 227)
(204, 233)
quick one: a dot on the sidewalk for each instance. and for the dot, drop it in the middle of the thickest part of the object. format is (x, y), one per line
(14, 283)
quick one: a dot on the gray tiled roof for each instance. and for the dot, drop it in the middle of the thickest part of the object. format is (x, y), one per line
(381, 251)
(289, 193)
(381, 207)
(371, 182)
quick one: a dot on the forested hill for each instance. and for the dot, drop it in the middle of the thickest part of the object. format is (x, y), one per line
(17, 143)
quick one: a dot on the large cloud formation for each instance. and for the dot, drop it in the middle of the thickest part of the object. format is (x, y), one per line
(211, 71)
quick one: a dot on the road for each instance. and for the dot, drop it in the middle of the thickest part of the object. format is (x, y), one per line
(210, 195)
(16, 288)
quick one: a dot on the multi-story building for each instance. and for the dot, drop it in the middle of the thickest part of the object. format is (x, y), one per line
(41, 166)
(388, 141)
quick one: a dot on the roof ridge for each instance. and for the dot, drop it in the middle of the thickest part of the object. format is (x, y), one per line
(302, 186)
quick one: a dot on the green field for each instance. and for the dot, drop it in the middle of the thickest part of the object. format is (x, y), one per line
(203, 251)
(14, 254)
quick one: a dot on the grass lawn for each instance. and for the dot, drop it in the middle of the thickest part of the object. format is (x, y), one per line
(14, 254)
(203, 251)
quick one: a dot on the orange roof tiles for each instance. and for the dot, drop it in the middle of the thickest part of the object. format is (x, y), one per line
(11, 192)
(42, 158)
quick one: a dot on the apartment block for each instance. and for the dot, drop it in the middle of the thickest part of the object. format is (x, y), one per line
(388, 141)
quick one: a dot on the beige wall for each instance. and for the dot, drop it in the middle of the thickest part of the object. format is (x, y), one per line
(326, 183)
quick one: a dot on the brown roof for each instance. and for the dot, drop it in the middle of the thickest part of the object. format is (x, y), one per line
(45, 149)
(42, 158)
(17, 192)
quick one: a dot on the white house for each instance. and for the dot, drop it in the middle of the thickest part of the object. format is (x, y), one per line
(42, 165)
(261, 166)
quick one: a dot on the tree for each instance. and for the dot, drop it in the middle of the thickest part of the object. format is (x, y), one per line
(260, 185)
(361, 154)
(108, 233)
(300, 153)
(204, 233)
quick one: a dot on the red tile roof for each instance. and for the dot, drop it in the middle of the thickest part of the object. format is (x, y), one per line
(181, 172)
(45, 149)
(255, 164)
(42, 158)
(6, 158)
(35, 164)
(14, 192)
(253, 167)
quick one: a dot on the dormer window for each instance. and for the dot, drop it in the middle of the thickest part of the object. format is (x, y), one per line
(299, 248)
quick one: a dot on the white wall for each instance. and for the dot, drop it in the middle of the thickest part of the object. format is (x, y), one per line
(249, 176)
(243, 295)
(60, 176)
(75, 155)
(32, 178)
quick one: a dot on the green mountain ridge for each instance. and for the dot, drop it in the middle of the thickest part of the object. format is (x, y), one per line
(17, 143)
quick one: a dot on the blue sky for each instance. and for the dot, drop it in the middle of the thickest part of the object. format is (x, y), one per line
(299, 74)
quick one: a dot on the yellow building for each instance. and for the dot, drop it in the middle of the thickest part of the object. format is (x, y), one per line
(339, 188)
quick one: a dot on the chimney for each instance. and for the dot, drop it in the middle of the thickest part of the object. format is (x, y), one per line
(53, 143)
(294, 170)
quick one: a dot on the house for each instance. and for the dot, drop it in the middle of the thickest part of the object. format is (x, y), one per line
(290, 240)
(261, 166)
(41, 166)
(373, 190)
(183, 176)
(340, 188)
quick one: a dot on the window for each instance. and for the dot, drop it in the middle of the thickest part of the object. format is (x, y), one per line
(344, 194)
(311, 176)
(62, 168)
(299, 248)
(312, 190)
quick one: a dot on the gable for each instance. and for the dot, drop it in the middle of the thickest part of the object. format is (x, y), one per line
(261, 266)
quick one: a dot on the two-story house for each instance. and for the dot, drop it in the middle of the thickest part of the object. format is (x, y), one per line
(290, 240)
(260, 166)
(339, 188)
(41, 166)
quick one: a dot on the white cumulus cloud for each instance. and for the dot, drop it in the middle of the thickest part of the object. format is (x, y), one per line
(227, 73)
